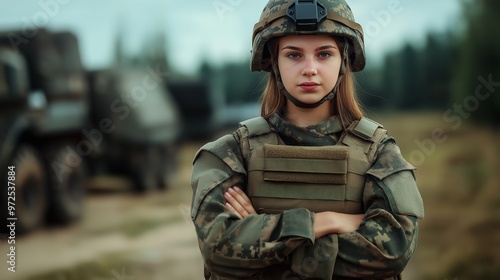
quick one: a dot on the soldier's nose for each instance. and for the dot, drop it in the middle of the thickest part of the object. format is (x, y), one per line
(310, 68)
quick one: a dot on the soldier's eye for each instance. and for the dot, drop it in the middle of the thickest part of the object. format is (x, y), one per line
(325, 55)
(293, 55)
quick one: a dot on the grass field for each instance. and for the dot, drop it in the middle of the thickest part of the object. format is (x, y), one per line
(459, 179)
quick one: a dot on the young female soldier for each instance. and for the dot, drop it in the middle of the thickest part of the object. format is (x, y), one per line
(310, 190)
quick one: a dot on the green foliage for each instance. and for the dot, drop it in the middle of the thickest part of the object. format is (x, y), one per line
(438, 70)
(412, 78)
(234, 81)
(479, 57)
(240, 84)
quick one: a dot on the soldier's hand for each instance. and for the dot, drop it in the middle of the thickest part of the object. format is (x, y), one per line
(347, 222)
(239, 203)
(334, 222)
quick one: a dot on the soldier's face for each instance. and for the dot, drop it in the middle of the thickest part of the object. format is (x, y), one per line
(309, 66)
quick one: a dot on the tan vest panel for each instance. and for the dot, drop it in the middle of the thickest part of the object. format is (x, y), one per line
(326, 178)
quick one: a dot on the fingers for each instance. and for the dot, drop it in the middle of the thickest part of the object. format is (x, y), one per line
(238, 202)
(243, 199)
(233, 210)
(235, 206)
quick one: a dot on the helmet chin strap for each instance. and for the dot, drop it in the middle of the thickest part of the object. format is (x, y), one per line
(327, 97)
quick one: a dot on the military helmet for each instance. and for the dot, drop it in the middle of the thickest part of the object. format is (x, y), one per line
(295, 17)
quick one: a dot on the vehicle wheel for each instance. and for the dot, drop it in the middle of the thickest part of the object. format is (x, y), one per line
(143, 170)
(67, 186)
(30, 190)
(167, 168)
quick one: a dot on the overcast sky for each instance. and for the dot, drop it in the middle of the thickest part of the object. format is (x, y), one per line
(218, 30)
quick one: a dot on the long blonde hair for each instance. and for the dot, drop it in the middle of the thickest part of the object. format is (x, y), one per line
(345, 103)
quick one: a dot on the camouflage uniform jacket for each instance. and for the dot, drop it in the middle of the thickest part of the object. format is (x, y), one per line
(283, 246)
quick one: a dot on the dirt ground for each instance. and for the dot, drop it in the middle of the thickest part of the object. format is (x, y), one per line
(122, 236)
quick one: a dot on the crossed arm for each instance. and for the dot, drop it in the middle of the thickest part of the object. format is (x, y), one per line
(324, 222)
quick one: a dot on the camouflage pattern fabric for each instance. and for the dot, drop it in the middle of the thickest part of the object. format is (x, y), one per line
(282, 246)
(322, 134)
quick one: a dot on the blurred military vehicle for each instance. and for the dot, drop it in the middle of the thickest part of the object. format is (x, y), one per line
(43, 110)
(197, 108)
(60, 124)
(137, 126)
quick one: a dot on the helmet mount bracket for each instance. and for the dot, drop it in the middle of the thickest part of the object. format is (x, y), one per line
(307, 14)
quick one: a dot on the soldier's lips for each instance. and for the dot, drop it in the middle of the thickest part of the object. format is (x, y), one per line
(309, 86)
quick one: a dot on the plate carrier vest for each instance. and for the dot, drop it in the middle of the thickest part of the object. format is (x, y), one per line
(324, 178)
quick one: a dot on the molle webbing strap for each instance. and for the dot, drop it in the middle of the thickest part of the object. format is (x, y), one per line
(300, 165)
(366, 128)
(256, 126)
(271, 205)
(260, 132)
(301, 152)
(306, 178)
(365, 135)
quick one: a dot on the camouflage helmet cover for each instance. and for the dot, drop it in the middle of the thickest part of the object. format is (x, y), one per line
(274, 22)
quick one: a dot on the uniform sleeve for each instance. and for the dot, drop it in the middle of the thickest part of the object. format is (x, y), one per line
(232, 247)
(387, 238)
